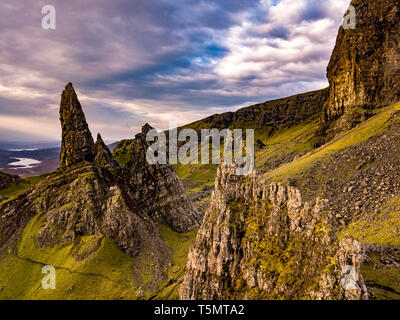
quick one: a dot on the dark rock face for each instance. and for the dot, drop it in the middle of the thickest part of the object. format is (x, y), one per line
(102, 155)
(364, 70)
(77, 141)
(7, 179)
(157, 188)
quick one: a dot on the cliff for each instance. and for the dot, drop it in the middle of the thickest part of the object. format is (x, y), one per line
(274, 114)
(364, 69)
(91, 214)
(157, 188)
(261, 241)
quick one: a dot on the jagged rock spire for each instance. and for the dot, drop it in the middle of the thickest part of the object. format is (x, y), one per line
(157, 188)
(77, 141)
(102, 154)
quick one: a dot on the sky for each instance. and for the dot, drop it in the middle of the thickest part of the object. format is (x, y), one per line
(155, 61)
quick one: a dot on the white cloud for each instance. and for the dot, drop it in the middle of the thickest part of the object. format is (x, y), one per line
(305, 45)
(145, 62)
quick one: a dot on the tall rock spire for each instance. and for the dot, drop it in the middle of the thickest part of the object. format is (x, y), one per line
(77, 141)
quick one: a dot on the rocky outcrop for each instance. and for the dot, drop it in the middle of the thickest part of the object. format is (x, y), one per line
(77, 141)
(364, 70)
(262, 241)
(93, 196)
(157, 188)
(7, 179)
(102, 155)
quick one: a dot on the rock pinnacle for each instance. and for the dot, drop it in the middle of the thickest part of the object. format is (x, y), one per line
(77, 141)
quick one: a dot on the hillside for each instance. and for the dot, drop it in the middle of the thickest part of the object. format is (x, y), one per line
(319, 218)
(5, 181)
(87, 221)
(354, 174)
(292, 231)
(284, 129)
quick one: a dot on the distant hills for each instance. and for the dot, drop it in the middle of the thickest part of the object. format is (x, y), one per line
(48, 153)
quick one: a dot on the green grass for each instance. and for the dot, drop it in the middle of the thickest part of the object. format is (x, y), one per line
(383, 229)
(15, 189)
(359, 134)
(383, 283)
(196, 176)
(180, 243)
(122, 156)
(92, 267)
(385, 232)
(286, 142)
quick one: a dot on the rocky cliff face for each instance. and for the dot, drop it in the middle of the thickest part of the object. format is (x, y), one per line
(77, 141)
(89, 197)
(262, 241)
(277, 114)
(364, 70)
(157, 188)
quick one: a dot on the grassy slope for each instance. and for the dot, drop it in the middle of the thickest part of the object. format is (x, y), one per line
(381, 230)
(372, 126)
(92, 267)
(378, 229)
(384, 283)
(180, 243)
(17, 188)
(88, 263)
(284, 144)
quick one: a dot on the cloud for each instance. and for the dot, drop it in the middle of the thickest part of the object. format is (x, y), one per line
(156, 60)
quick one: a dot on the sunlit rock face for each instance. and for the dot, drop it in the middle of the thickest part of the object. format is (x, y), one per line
(92, 196)
(260, 241)
(364, 70)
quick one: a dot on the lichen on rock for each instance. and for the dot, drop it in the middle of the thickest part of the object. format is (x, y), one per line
(261, 241)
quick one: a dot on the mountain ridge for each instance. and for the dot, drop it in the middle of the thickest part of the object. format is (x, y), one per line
(87, 204)
(261, 240)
